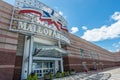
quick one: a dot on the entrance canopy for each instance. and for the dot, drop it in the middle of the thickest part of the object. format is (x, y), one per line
(50, 51)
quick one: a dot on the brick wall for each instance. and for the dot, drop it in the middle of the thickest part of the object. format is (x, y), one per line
(19, 57)
(75, 58)
(117, 58)
(8, 43)
(8, 46)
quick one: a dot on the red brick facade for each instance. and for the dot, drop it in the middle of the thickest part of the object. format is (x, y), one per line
(8, 43)
(101, 57)
(18, 68)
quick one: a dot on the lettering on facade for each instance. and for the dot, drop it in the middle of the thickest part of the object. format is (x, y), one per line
(36, 18)
(24, 26)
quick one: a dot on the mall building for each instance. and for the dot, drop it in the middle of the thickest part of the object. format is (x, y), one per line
(35, 38)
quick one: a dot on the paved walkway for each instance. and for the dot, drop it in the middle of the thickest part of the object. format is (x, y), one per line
(115, 73)
(99, 76)
(106, 74)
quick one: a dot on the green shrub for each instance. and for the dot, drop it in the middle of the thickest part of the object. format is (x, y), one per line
(63, 74)
(48, 76)
(66, 73)
(59, 74)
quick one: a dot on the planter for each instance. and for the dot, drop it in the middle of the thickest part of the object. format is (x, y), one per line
(67, 73)
(48, 76)
(72, 72)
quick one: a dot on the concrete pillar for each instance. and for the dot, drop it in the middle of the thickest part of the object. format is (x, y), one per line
(59, 44)
(62, 69)
(27, 57)
(56, 66)
(30, 55)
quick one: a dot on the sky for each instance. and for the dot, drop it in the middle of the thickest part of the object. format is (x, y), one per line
(97, 21)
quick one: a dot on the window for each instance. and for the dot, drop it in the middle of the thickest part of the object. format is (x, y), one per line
(82, 53)
(98, 56)
(92, 54)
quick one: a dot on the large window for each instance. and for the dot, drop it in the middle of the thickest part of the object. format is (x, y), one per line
(82, 53)
(98, 57)
(92, 54)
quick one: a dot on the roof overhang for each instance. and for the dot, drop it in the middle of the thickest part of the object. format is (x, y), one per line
(50, 51)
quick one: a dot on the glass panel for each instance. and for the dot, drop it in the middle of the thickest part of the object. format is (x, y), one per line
(40, 75)
(51, 64)
(45, 65)
(37, 65)
(37, 45)
(37, 71)
(40, 71)
(82, 53)
(92, 54)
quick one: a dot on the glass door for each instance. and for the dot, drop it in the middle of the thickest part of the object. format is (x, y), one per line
(48, 66)
(37, 68)
(43, 67)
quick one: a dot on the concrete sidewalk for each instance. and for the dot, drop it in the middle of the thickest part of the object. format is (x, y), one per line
(106, 74)
(115, 73)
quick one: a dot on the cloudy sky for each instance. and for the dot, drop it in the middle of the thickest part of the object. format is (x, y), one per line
(97, 21)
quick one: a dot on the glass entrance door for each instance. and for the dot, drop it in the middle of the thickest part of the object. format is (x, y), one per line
(43, 67)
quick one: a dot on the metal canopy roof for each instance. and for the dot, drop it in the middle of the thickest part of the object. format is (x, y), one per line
(50, 51)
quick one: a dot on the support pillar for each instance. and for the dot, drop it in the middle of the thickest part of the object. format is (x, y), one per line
(62, 69)
(30, 55)
(56, 66)
(27, 57)
(59, 44)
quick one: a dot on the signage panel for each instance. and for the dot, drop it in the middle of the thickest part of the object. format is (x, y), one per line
(34, 17)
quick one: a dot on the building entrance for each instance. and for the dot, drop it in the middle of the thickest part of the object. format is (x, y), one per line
(43, 67)
(41, 58)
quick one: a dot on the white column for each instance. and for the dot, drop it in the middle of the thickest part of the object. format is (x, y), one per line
(56, 66)
(59, 44)
(62, 69)
(25, 59)
(30, 55)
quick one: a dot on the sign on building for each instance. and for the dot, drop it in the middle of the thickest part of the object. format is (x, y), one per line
(33, 17)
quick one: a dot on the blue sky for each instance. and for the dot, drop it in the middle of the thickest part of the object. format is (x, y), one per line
(97, 21)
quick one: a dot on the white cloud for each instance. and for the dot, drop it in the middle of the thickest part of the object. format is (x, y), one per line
(104, 32)
(61, 13)
(110, 50)
(74, 30)
(116, 16)
(84, 28)
(116, 45)
(118, 50)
